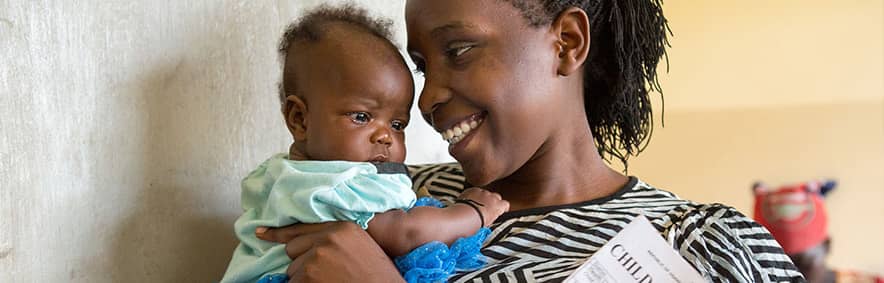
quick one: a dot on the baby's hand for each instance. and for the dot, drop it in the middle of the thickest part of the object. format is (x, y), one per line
(490, 203)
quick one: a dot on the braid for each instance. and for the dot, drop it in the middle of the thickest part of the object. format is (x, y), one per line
(628, 39)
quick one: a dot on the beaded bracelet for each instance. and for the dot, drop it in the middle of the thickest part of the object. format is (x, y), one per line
(475, 205)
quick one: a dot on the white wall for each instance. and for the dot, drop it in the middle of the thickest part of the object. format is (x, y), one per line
(125, 127)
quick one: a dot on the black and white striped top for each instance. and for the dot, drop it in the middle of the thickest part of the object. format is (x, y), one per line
(548, 243)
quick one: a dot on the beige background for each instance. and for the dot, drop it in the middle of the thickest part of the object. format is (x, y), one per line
(125, 127)
(779, 92)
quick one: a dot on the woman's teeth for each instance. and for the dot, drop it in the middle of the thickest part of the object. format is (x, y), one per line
(459, 131)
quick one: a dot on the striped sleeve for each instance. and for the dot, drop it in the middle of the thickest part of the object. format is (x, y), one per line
(727, 246)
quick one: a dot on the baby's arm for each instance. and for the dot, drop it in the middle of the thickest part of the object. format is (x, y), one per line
(398, 232)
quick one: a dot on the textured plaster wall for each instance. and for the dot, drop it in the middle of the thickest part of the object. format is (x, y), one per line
(125, 127)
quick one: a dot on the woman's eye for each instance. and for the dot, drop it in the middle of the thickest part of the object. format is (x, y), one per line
(399, 125)
(359, 117)
(457, 51)
(419, 69)
(419, 65)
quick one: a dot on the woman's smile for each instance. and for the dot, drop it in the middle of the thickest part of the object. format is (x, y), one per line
(457, 130)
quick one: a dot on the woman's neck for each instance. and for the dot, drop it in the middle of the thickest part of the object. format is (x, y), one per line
(566, 169)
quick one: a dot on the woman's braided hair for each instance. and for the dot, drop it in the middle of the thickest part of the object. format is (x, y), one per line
(628, 38)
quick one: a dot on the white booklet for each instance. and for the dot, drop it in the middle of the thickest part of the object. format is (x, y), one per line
(637, 254)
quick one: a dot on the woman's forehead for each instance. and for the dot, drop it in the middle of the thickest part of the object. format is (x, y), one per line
(428, 14)
(432, 19)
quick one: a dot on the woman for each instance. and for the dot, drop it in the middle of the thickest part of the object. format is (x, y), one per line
(541, 92)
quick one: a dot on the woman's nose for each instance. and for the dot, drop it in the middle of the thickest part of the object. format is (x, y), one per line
(434, 94)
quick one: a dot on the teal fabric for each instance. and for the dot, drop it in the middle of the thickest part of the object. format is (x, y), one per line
(282, 192)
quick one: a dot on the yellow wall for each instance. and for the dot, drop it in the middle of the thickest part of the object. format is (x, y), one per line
(778, 91)
(762, 53)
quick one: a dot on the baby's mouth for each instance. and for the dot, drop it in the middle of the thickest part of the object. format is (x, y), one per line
(380, 158)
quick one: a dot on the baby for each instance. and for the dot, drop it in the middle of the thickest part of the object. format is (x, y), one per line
(346, 94)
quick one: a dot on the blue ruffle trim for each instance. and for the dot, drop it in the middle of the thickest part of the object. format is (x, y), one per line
(428, 201)
(433, 261)
(274, 278)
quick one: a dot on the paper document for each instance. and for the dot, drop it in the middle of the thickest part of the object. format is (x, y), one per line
(637, 254)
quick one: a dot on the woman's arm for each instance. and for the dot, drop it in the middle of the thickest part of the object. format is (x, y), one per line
(333, 252)
(398, 232)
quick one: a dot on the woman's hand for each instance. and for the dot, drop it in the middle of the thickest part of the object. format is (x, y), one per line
(332, 252)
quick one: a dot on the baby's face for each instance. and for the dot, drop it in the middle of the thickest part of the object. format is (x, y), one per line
(359, 125)
(358, 102)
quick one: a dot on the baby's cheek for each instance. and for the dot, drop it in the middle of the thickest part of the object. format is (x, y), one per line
(398, 153)
(354, 151)
(338, 148)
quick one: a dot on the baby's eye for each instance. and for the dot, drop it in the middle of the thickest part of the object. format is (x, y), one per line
(359, 117)
(399, 125)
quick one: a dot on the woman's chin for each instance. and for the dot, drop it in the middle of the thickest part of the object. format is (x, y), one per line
(477, 176)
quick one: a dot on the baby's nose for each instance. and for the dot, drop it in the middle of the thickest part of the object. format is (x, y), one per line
(383, 137)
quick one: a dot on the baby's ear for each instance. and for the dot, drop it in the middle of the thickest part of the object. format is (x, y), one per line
(295, 111)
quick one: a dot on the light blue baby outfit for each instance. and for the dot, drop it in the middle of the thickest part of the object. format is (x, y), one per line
(282, 192)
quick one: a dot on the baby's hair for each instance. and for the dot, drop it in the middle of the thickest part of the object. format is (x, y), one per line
(628, 39)
(312, 26)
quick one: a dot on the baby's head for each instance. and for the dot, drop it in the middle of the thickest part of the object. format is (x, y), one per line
(346, 91)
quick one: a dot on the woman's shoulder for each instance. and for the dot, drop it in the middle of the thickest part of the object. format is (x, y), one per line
(444, 181)
(715, 238)
(435, 169)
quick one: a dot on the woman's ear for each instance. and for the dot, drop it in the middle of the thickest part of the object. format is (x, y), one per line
(571, 29)
(295, 111)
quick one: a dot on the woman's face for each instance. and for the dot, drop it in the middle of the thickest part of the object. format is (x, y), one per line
(490, 82)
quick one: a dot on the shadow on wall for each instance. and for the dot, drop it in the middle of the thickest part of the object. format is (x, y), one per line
(178, 230)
